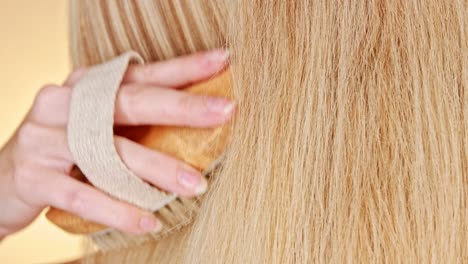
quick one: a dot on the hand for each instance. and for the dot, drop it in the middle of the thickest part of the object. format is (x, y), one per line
(35, 164)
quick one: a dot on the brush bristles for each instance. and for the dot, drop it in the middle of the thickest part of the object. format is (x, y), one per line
(174, 216)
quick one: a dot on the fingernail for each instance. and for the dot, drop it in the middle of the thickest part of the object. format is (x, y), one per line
(202, 186)
(220, 55)
(150, 224)
(220, 105)
(193, 182)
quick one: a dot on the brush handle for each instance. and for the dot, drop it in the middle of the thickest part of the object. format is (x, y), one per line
(198, 147)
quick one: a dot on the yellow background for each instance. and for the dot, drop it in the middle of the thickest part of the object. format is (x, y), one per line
(33, 52)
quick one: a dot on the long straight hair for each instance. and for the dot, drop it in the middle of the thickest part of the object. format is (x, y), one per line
(350, 143)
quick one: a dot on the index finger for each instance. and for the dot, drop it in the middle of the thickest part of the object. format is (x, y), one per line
(179, 72)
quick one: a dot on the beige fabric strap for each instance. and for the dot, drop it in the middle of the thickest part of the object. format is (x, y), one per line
(91, 136)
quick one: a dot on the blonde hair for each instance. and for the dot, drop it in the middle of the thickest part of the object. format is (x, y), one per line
(350, 142)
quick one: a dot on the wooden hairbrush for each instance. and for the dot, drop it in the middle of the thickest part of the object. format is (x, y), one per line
(201, 148)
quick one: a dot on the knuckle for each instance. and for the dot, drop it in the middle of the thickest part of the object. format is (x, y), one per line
(46, 93)
(168, 176)
(147, 72)
(130, 96)
(189, 103)
(27, 134)
(127, 221)
(75, 201)
(23, 173)
(46, 96)
(153, 160)
(194, 110)
(25, 179)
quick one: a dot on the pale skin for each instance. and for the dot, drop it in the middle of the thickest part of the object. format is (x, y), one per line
(35, 164)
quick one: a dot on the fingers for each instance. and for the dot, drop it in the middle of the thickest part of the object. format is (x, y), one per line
(91, 204)
(161, 170)
(44, 162)
(44, 145)
(146, 105)
(51, 106)
(179, 72)
(49, 149)
(139, 105)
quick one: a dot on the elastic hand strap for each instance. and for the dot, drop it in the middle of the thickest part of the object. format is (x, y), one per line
(91, 136)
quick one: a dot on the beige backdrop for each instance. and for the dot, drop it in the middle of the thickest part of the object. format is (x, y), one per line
(33, 51)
